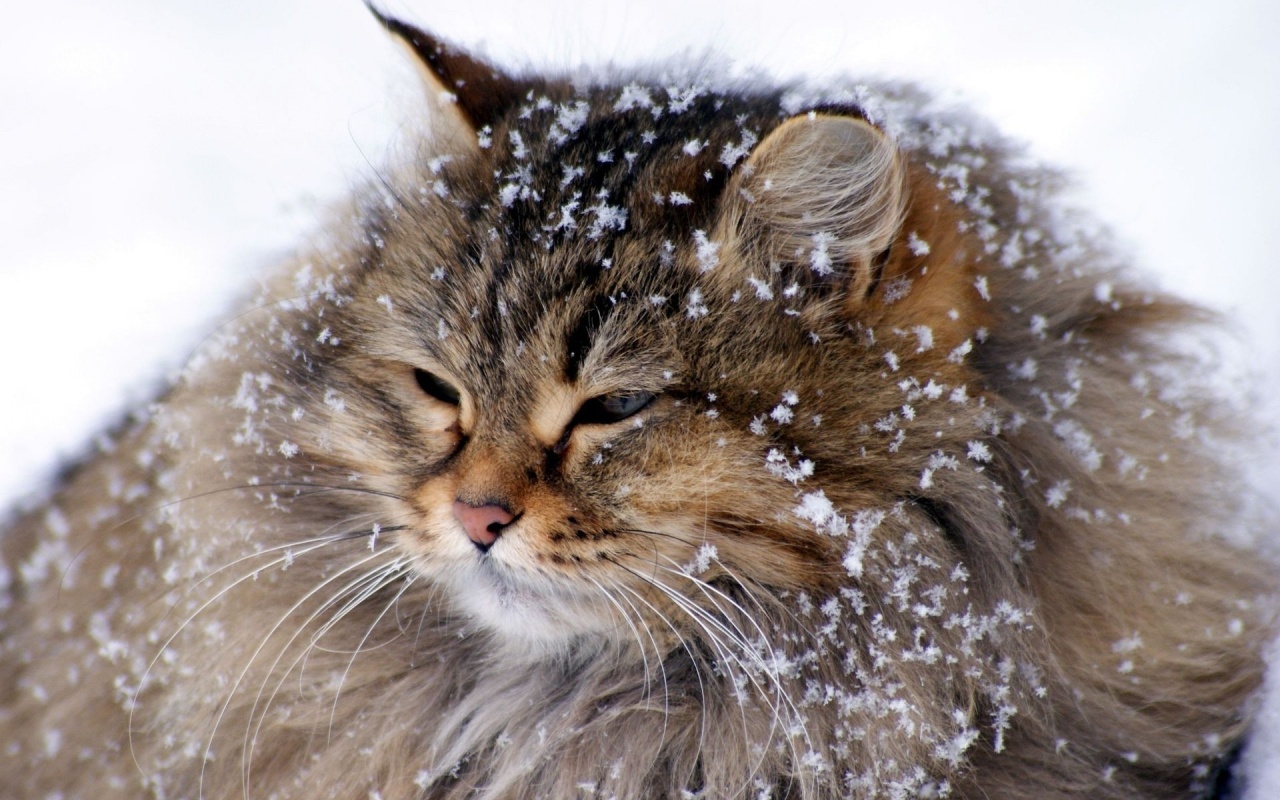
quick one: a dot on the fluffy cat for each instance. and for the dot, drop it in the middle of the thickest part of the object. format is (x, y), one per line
(657, 439)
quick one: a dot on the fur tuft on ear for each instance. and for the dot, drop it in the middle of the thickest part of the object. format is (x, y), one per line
(827, 193)
(467, 93)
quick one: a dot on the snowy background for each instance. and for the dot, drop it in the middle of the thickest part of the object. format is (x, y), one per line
(158, 153)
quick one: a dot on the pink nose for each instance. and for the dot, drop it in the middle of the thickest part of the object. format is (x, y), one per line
(483, 524)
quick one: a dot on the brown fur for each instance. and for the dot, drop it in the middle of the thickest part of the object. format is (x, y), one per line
(924, 502)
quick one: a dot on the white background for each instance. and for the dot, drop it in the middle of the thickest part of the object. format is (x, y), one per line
(154, 155)
(157, 154)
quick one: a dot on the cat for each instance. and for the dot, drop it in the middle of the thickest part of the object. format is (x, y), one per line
(657, 438)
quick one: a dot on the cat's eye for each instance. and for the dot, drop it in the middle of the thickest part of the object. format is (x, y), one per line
(609, 408)
(436, 387)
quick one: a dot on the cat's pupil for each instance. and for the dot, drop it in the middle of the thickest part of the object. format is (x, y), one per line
(611, 408)
(435, 387)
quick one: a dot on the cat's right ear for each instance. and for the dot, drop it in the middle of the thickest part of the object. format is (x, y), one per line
(466, 93)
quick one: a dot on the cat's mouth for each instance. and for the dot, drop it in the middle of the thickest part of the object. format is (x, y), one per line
(523, 607)
(507, 588)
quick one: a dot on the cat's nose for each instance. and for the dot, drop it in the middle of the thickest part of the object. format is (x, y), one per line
(483, 524)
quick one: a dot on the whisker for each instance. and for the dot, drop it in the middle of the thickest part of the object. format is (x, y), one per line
(316, 488)
(746, 587)
(319, 488)
(694, 661)
(288, 556)
(258, 650)
(710, 636)
(417, 637)
(753, 660)
(708, 589)
(191, 617)
(770, 669)
(392, 573)
(319, 541)
(694, 541)
(627, 620)
(365, 578)
(373, 582)
(657, 651)
(714, 627)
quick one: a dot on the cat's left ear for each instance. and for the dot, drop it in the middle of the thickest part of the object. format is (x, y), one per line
(467, 94)
(822, 196)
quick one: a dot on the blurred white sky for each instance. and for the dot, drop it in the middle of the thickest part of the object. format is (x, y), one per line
(156, 153)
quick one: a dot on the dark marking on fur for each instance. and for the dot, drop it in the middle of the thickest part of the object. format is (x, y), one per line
(583, 333)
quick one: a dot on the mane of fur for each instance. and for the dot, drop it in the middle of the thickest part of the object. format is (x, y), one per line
(1011, 569)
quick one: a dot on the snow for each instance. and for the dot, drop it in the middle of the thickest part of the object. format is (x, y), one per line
(708, 251)
(265, 110)
(159, 153)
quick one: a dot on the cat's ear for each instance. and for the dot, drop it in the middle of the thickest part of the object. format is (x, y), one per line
(466, 93)
(821, 196)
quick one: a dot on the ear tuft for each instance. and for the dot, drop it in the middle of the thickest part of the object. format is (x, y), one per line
(467, 93)
(827, 192)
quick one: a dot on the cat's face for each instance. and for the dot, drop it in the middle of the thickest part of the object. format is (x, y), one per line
(582, 409)
(567, 434)
(540, 492)
(591, 346)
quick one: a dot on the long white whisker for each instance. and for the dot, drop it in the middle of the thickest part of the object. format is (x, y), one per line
(365, 578)
(708, 590)
(708, 622)
(392, 573)
(693, 660)
(713, 639)
(319, 543)
(752, 596)
(748, 668)
(635, 632)
(258, 650)
(770, 669)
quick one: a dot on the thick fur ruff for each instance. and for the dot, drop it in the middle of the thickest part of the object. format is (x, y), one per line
(827, 458)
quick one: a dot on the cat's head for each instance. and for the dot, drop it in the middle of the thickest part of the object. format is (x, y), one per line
(606, 351)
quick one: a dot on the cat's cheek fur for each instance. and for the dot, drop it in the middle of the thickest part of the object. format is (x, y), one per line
(699, 505)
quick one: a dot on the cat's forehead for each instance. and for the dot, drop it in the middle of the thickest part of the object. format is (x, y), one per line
(586, 327)
(563, 177)
(580, 209)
